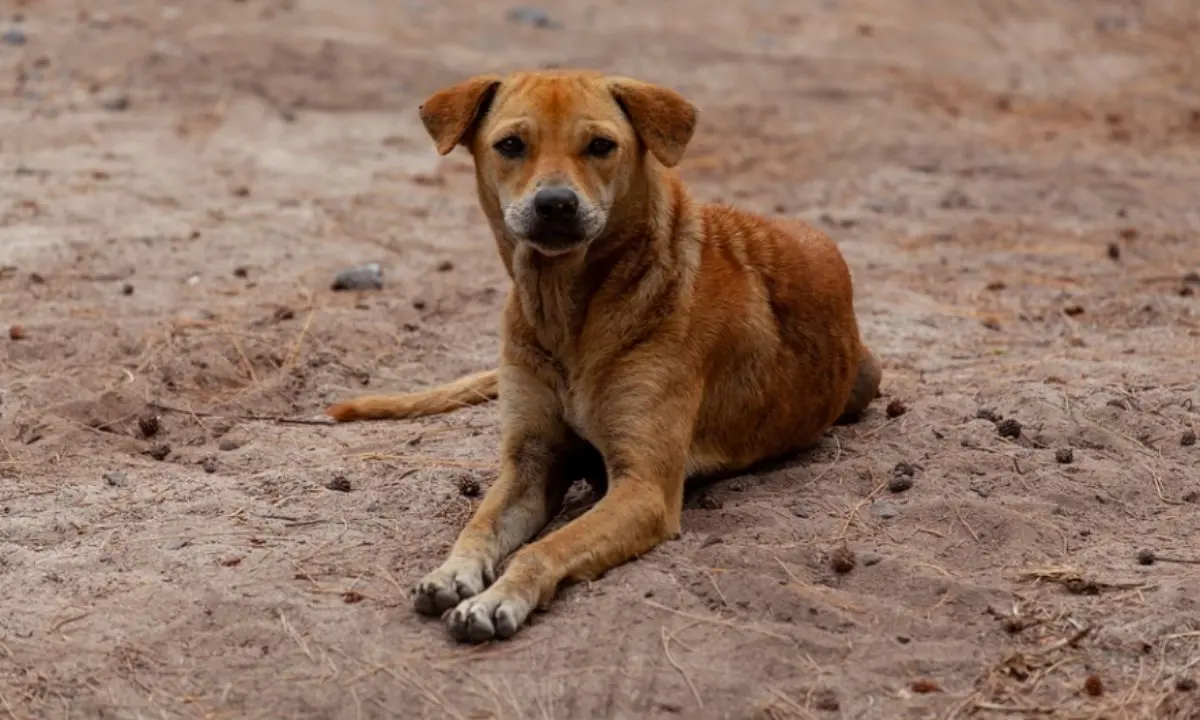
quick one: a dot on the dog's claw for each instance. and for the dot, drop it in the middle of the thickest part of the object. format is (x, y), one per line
(484, 618)
(449, 585)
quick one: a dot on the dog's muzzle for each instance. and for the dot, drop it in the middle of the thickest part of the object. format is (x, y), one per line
(557, 223)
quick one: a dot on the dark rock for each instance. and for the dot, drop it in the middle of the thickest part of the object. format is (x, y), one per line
(362, 277)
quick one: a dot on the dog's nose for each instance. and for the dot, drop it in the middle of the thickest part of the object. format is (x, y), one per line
(556, 204)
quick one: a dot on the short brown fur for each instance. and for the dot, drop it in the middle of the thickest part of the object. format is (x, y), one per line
(684, 339)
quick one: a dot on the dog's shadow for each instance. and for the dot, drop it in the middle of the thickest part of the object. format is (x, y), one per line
(586, 492)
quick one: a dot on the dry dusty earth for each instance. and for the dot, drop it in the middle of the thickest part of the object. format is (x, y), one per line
(1014, 184)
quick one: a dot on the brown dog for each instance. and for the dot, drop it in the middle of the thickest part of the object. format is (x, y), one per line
(647, 337)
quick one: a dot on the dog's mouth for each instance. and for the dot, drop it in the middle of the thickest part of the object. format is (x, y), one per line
(556, 240)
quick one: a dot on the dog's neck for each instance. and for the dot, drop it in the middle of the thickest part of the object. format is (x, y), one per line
(633, 258)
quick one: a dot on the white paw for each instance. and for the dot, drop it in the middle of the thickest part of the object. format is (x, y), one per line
(456, 580)
(494, 614)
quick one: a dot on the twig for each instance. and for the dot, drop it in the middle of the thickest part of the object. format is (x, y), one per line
(237, 346)
(67, 621)
(295, 636)
(429, 459)
(958, 514)
(243, 416)
(666, 643)
(717, 621)
(294, 352)
(1019, 709)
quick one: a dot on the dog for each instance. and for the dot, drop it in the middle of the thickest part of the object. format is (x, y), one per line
(647, 338)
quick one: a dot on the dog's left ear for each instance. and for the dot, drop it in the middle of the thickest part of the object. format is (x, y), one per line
(661, 117)
(450, 114)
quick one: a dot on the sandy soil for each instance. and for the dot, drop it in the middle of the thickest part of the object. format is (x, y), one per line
(1014, 184)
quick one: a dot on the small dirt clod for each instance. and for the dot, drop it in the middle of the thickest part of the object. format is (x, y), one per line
(1188, 438)
(924, 687)
(116, 478)
(1009, 428)
(339, 483)
(468, 485)
(896, 408)
(149, 425)
(1064, 456)
(159, 452)
(17, 332)
(826, 701)
(1146, 557)
(1093, 686)
(902, 477)
(842, 560)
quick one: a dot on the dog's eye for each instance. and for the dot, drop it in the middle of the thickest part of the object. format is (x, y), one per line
(601, 147)
(510, 147)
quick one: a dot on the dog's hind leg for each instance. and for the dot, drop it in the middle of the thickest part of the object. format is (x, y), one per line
(866, 388)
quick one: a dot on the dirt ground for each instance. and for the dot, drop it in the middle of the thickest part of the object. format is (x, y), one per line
(1013, 183)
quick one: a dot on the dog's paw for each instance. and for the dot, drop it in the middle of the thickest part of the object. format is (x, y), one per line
(494, 614)
(456, 580)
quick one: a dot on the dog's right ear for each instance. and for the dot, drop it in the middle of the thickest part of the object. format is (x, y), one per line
(450, 114)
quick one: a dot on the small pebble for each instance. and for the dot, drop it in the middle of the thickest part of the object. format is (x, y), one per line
(241, 271)
(712, 540)
(159, 452)
(339, 483)
(1188, 439)
(1064, 456)
(115, 478)
(127, 289)
(842, 560)
(362, 277)
(149, 425)
(530, 15)
(17, 332)
(884, 510)
(177, 544)
(1146, 557)
(114, 101)
(445, 266)
(15, 37)
(1093, 686)
(896, 408)
(1114, 251)
(869, 559)
(209, 465)
(228, 445)
(1009, 428)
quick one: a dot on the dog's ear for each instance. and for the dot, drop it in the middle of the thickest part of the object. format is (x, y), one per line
(660, 116)
(450, 114)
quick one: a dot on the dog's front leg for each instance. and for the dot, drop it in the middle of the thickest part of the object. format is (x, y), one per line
(646, 455)
(537, 464)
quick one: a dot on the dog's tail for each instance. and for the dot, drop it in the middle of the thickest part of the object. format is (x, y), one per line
(469, 390)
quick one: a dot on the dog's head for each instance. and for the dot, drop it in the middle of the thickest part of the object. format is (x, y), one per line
(555, 151)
